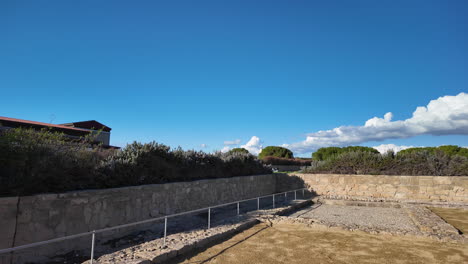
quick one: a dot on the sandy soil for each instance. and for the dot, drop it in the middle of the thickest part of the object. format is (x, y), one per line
(454, 216)
(286, 243)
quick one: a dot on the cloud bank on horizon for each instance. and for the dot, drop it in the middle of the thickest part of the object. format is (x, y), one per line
(384, 148)
(447, 115)
(254, 145)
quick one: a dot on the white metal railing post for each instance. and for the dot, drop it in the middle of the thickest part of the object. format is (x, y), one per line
(238, 211)
(209, 217)
(273, 201)
(295, 195)
(92, 245)
(258, 203)
(302, 193)
(165, 230)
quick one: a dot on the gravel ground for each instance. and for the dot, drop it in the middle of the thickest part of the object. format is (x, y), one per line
(393, 220)
(187, 231)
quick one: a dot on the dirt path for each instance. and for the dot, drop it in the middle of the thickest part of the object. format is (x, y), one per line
(455, 216)
(286, 243)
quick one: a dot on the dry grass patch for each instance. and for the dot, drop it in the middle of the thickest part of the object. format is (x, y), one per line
(288, 243)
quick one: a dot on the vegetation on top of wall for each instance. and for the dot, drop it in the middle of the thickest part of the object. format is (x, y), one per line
(274, 151)
(437, 163)
(331, 152)
(34, 162)
(447, 149)
(139, 163)
(284, 161)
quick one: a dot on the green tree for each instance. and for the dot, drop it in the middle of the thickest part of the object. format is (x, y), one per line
(450, 150)
(330, 152)
(416, 150)
(239, 150)
(275, 151)
(325, 153)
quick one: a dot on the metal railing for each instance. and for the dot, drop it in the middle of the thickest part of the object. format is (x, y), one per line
(94, 232)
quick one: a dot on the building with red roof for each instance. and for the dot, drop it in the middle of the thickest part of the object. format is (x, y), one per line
(73, 129)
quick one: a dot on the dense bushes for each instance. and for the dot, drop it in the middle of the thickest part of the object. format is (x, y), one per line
(448, 149)
(283, 161)
(141, 163)
(274, 151)
(413, 163)
(330, 152)
(36, 162)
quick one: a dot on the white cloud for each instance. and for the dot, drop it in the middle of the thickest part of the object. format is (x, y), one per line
(254, 145)
(232, 142)
(384, 148)
(447, 115)
(203, 145)
(225, 149)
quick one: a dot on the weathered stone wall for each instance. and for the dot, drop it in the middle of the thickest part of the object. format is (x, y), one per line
(29, 219)
(432, 189)
(42, 217)
(288, 181)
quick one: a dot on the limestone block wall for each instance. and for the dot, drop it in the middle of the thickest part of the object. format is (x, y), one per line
(36, 218)
(432, 189)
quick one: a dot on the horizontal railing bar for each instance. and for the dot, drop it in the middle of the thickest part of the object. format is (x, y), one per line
(6, 250)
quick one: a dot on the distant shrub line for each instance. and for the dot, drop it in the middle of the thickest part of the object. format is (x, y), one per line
(422, 162)
(284, 161)
(34, 162)
(449, 150)
(331, 152)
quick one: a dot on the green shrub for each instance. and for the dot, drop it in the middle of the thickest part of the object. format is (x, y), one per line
(43, 161)
(283, 161)
(274, 151)
(330, 152)
(450, 150)
(413, 163)
(36, 162)
(139, 163)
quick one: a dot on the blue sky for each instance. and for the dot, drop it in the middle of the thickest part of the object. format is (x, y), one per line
(204, 72)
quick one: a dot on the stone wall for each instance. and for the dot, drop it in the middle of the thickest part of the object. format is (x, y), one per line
(36, 218)
(426, 189)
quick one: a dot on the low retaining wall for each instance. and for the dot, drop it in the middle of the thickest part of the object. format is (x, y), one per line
(29, 219)
(36, 218)
(426, 189)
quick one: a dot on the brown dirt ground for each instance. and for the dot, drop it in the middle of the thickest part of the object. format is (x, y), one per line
(286, 243)
(454, 216)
